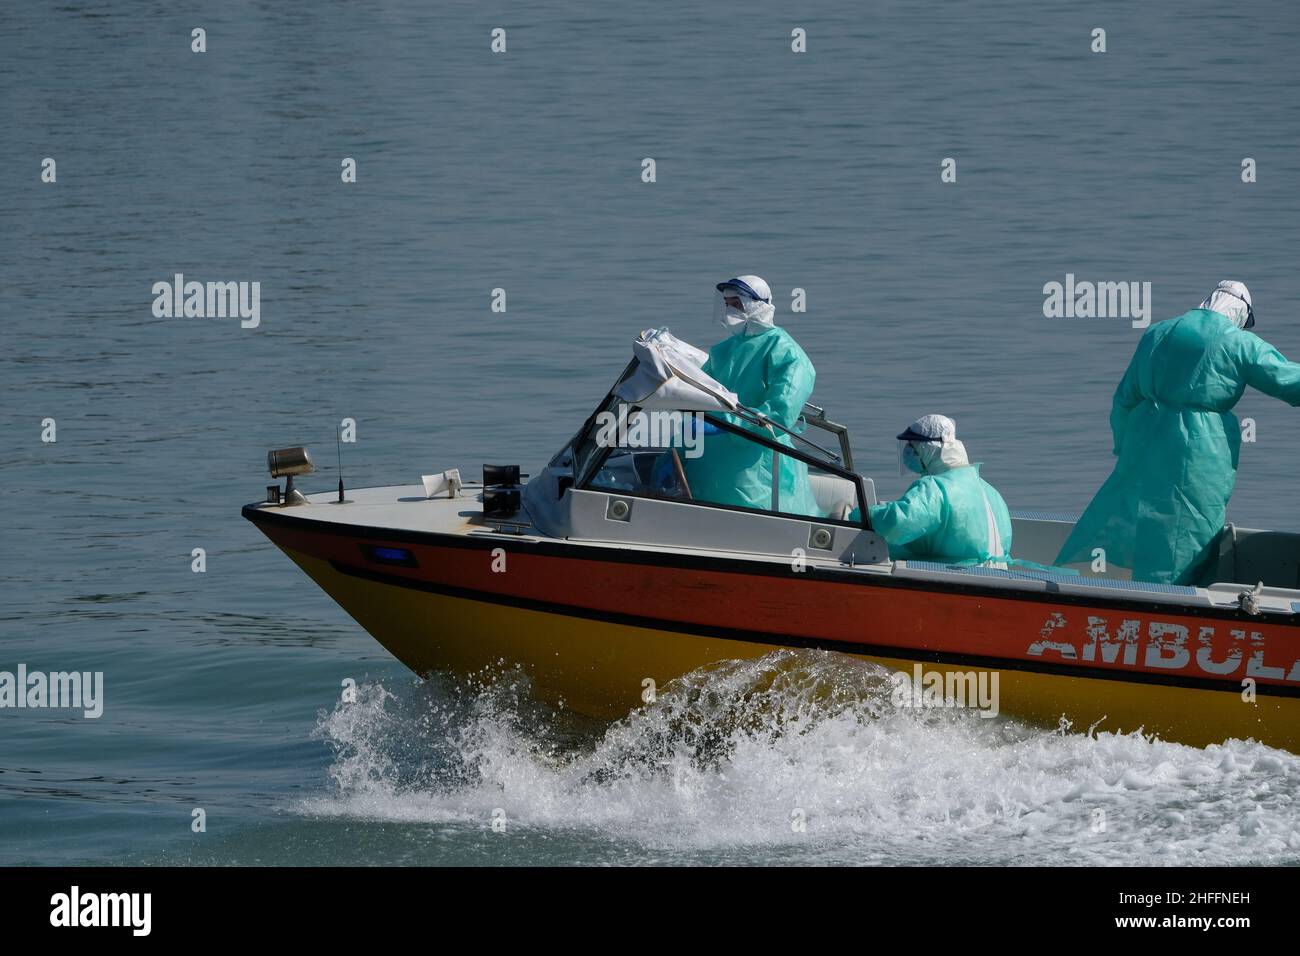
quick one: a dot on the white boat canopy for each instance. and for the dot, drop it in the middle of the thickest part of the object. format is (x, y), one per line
(668, 377)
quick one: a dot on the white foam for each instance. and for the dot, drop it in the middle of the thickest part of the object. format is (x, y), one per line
(732, 756)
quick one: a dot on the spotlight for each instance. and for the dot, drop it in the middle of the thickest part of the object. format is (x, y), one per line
(286, 463)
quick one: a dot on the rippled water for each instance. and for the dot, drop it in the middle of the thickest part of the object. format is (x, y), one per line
(522, 171)
(798, 757)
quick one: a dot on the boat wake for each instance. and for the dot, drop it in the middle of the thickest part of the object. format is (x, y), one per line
(801, 756)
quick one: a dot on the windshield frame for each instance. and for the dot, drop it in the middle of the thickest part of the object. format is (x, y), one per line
(583, 480)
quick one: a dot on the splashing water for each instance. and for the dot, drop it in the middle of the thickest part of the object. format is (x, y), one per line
(802, 755)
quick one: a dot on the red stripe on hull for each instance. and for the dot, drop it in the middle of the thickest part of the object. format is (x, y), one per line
(1037, 631)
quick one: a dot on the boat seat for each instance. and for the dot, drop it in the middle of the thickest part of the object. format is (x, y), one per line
(1246, 556)
(837, 496)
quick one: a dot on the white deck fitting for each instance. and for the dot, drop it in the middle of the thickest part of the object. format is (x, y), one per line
(399, 507)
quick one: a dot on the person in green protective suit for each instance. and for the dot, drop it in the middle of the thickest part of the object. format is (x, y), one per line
(1177, 441)
(770, 374)
(950, 514)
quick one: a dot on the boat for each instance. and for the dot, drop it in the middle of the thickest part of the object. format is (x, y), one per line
(600, 577)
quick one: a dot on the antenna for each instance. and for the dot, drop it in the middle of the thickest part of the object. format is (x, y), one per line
(338, 444)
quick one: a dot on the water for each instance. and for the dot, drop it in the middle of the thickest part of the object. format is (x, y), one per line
(522, 171)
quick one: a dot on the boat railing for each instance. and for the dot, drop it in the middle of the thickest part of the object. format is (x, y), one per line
(828, 463)
(811, 415)
(815, 416)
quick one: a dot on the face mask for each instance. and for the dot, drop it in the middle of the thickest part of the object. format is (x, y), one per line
(733, 320)
(751, 317)
(910, 459)
(931, 459)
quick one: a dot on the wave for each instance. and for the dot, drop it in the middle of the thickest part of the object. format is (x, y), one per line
(804, 753)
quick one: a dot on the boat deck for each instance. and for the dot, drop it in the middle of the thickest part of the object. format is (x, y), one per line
(404, 509)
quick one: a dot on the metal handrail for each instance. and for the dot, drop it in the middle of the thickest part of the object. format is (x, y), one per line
(818, 419)
(863, 511)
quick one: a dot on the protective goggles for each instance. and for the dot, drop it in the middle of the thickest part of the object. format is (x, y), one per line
(742, 287)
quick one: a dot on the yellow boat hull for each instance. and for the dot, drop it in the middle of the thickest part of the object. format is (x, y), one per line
(599, 667)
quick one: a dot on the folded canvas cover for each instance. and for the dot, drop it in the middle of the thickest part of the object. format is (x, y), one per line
(667, 376)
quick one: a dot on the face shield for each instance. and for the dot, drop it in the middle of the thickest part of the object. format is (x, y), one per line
(743, 307)
(729, 311)
(915, 457)
(930, 446)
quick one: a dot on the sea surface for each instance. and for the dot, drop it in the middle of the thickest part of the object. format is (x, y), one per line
(522, 171)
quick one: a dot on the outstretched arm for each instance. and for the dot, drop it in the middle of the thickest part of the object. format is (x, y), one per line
(1266, 369)
(916, 514)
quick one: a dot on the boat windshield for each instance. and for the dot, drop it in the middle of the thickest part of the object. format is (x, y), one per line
(804, 472)
(586, 444)
(709, 459)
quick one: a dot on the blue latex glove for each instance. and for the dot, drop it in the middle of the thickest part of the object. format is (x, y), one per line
(691, 423)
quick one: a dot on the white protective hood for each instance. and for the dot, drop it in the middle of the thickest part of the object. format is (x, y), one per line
(1232, 299)
(758, 312)
(668, 377)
